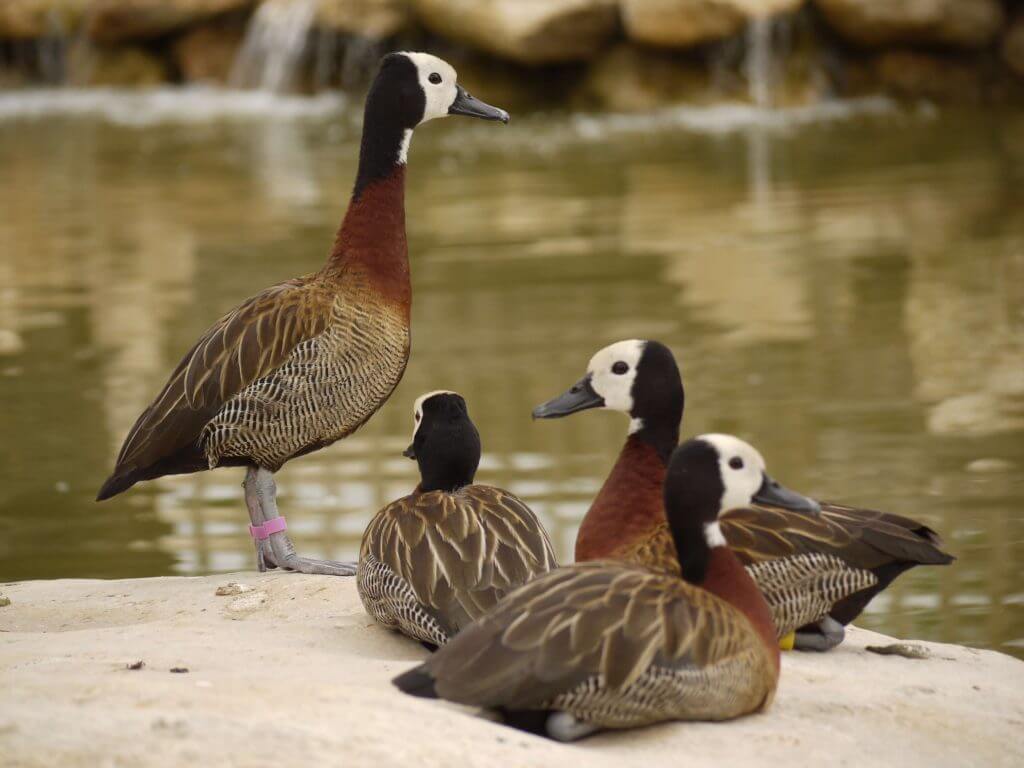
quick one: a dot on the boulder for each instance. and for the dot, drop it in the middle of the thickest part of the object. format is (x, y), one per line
(25, 19)
(375, 19)
(631, 79)
(527, 31)
(118, 66)
(962, 23)
(684, 23)
(119, 20)
(917, 75)
(205, 53)
(1013, 46)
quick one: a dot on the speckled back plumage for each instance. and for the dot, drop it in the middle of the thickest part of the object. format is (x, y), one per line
(326, 388)
(433, 562)
(613, 645)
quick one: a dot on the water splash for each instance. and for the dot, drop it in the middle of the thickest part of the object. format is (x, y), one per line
(167, 105)
(275, 45)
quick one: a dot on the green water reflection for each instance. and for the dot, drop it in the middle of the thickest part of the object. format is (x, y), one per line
(848, 296)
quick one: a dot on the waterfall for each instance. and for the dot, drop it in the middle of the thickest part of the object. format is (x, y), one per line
(758, 64)
(275, 45)
(759, 68)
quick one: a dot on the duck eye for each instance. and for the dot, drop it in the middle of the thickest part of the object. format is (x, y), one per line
(434, 78)
(620, 368)
(736, 462)
(417, 417)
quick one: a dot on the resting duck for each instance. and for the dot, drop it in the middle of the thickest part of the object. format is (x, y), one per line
(846, 555)
(609, 644)
(435, 560)
(306, 362)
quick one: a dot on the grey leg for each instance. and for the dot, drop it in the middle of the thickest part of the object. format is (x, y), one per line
(282, 552)
(252, 501)
(830, 634)
(562, 726)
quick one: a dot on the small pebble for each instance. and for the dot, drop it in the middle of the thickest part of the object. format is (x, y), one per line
(4, 601)
(179, 670)
(137, 664)
(246, 604)
(906, 650)
(232, 588)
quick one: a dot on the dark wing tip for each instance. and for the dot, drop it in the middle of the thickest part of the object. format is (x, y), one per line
(115, 484)
(416, 682)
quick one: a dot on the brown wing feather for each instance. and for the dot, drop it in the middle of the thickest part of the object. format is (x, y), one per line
(577, 622)
(864, 538)
(460, 552)
(246, 344)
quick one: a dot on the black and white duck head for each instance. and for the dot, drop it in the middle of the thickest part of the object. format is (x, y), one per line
(445, 442)
(709, 475)
(637, 377)
(410, 89)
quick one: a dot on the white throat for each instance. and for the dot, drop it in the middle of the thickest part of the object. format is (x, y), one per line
(403, 148)
(713, 535)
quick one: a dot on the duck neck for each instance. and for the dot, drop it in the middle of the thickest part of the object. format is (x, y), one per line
(448, 479)
(661, 434)
(372, 238)
(629, 503)
(725, 577)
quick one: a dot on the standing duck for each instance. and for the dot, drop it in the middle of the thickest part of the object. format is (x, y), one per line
(306, 362)
(610, 644)
(435, 560)
(817, 566)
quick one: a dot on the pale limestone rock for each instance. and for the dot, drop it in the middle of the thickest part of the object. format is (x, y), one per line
(1013, 46)
(116, 20)
(40, 18)
(528, 31)
(963, 23)
(365, 18)
(62, 704)
(684, 23)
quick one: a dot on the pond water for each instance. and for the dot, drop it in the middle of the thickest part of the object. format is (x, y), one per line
(843, 288)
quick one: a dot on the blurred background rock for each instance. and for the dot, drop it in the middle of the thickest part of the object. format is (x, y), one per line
(609, 54)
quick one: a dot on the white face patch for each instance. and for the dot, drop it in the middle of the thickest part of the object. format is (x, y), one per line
(417, 408)
(741, 468)
(438, 80)
(612, 373)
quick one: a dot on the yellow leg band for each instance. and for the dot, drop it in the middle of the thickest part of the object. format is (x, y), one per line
(787, 642)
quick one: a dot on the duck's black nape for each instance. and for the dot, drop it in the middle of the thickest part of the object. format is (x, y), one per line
(394, 105)
(693, 495)
(447, 444)
(658, 398)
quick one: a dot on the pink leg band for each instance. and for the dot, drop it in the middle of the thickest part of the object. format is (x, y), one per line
(261, 532)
